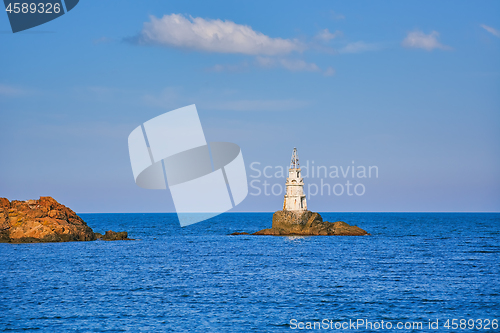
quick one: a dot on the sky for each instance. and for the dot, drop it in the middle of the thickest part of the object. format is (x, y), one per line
(409, 88)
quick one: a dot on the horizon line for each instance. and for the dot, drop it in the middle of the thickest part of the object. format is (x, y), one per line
(446, 212)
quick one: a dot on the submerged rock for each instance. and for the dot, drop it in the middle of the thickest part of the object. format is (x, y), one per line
(307, 223)
(44, 220)
(111, 236)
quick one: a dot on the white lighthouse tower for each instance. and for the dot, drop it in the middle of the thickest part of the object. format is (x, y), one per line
(295, 199)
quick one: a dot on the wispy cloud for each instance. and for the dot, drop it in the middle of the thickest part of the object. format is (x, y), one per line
(358, 47)
(265, 61)
(197, 33)
(11, 91)
(101, 90)
(102, 40)
(418, 40)
(491, 30)
(173, 97)
(229, 67)
(294, 65)
(336, 16)
(298, 65)
(326, 35)
(257, 105)
(329, 72)
(169, 97)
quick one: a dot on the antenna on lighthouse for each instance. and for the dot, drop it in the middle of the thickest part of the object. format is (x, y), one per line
(295, 159)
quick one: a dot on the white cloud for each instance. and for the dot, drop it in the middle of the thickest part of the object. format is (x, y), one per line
(418, 40)
(358, 47)
(212, 36)
(326, 35)
(329, 72)
(491, 30)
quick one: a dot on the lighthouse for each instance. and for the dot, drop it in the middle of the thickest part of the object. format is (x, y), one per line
(295, 199)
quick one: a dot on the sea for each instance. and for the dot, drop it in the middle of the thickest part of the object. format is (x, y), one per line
(416, 272)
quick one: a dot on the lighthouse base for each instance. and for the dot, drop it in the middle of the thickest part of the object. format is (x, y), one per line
(307, 223)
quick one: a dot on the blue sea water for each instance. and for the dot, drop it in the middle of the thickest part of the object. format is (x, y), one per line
(415, 267)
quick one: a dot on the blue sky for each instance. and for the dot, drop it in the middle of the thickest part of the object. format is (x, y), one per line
(409, 87)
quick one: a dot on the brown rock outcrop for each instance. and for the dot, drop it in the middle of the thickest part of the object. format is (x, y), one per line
(43, 220)
(307, 223)
(112, 235)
